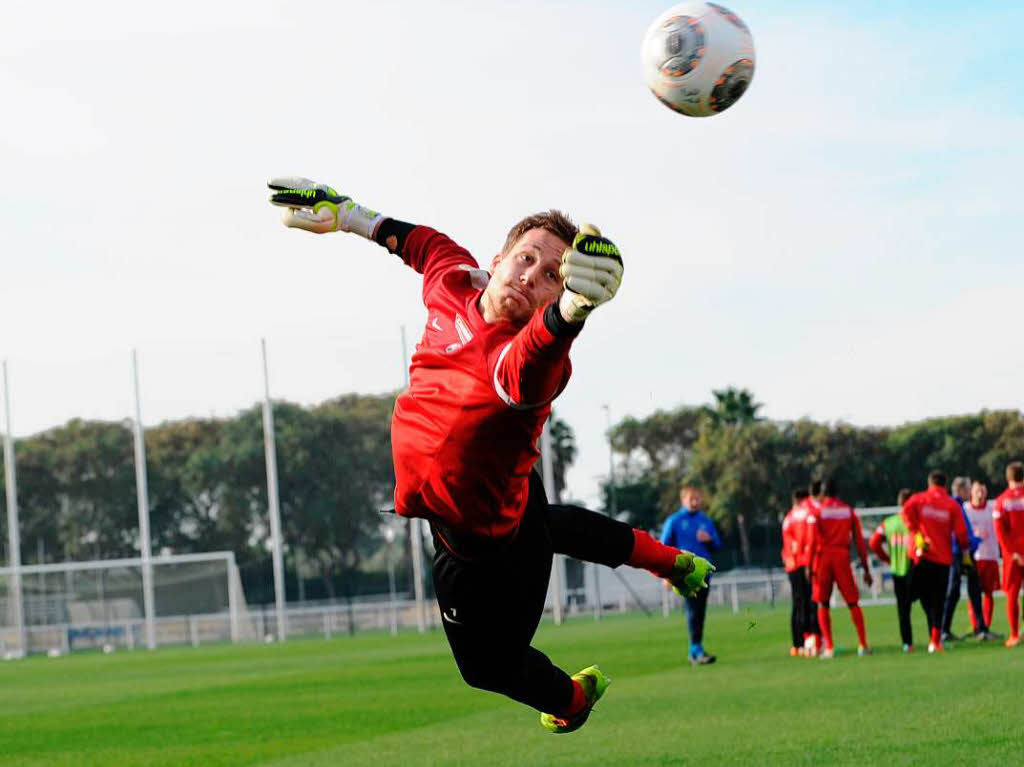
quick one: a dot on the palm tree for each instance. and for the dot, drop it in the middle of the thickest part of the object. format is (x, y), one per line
(733, 407)
(563, 448)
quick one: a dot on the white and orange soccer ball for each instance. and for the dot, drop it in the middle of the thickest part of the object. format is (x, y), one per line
(698, 58)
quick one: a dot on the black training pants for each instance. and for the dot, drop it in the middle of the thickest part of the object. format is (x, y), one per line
(491, 594)
(904, 599)
(929, 585)
(811, 621)
(800, 588)
(696, 610)
(953, 596)
(974, 595)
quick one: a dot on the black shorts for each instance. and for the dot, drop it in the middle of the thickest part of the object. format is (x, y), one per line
(491, 593)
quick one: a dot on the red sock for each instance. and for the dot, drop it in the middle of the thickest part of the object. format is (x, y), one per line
(1013, 613)
(857, 616)
(936, 638)
(825, 624)
(973, 617)
(986, 608)
(578, 702)
(652, 555)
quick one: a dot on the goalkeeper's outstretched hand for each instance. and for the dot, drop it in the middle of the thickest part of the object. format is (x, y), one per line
(689, 574)
(318, 208)
(591, 271)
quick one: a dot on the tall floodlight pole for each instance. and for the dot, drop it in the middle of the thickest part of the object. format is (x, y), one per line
(612, 503)
(612, 500)
(142, 496)
(548, 469)
(415, 538)
(389, 536)
(270, 453)
(13, 533)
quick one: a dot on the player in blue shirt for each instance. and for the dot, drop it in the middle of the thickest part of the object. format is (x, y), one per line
(692, 530)
(961, 493)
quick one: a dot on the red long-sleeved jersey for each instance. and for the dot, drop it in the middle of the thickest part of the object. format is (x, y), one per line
(876, 541)
(830, 527)
(795, 552)
(464, 434)
(1008, 520)
(938, 517)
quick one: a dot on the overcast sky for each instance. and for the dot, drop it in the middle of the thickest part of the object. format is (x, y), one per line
(845, 241)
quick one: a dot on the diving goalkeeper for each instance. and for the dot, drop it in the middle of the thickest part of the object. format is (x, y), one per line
(494, 354)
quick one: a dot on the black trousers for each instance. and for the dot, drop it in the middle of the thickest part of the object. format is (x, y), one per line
(799, 615)
(812, 610)
(491, 594)
(696, 611)
(953, 596)
(901, 584)
(974, 595)
(929, 585)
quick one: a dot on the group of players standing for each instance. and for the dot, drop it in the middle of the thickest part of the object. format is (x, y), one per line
(934, 540)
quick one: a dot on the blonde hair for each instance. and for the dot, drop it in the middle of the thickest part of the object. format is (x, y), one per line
(688, 489)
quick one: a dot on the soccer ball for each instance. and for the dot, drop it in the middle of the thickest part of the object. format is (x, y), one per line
(698, 58)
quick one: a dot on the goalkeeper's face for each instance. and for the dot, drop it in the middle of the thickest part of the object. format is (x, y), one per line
(524, 278)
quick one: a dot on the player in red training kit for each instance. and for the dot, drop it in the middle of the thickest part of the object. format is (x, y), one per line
(831, 527)
(812, 641)
(932, 518)
(795, 559)
(1008, 520)
(494, 354)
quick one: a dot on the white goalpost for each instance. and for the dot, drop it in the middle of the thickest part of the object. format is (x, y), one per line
(144, 600)
(149, 601)
(12, 611)
(67, 606)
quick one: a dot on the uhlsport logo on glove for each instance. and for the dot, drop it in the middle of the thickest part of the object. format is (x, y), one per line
(591, 272)
(597, 246)
(307, 193)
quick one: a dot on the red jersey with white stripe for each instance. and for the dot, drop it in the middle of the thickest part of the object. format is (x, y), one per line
(794, 538)
(1008, 520)
(464, 434)
(984, 528)
(831, 526)
(938, 517)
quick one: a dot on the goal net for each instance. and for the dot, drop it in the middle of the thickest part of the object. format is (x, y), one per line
(70, 606)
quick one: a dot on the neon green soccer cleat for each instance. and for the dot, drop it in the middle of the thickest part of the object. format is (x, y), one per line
(594, 684)
(690, 574)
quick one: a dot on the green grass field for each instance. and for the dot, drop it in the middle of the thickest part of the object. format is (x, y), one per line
(378, 700)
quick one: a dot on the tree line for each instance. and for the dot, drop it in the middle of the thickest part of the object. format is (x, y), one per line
(748, 466)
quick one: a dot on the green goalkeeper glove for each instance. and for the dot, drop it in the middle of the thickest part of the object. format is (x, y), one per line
(689, 574)
(591, 271)
(318, 208)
